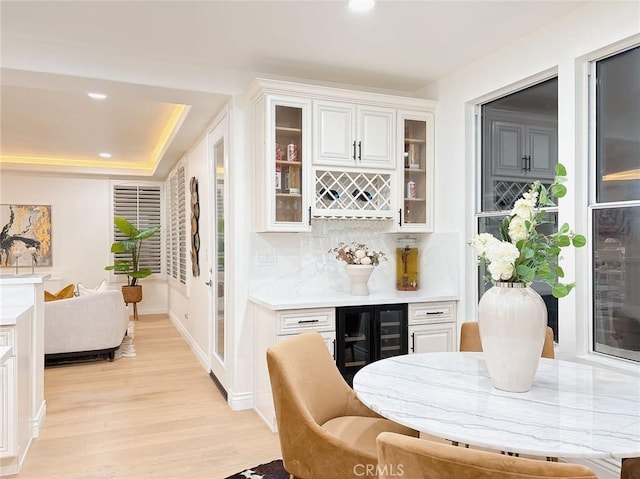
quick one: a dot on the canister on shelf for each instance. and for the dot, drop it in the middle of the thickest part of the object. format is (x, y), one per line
(278, 152)
(292, 151)
(407, 264)
(411, 189)
(278, 178)
(294, 179)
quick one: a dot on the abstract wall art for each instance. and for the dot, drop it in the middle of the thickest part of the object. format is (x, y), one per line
(25, 239)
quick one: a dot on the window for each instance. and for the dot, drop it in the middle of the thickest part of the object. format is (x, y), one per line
(519, 137)
(140, 204)
(615, 205)
(176, 239)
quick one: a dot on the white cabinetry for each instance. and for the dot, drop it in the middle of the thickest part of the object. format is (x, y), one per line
(283, 143)
(415, 188)
(16, 395)
(432, 327)
(355, 168)
(271, 327)
(349, 135)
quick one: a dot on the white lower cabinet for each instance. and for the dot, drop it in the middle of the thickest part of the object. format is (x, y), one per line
(432, 327)
(271, 327)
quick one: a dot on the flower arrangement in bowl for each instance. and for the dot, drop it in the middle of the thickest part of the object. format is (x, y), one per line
(357, 253)
(525, 254)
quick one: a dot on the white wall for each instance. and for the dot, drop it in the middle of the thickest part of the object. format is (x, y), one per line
(563, 47)
(82, 230)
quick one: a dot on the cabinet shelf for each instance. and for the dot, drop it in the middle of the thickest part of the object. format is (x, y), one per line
(288, 129)
(285, 162)
(415, 141)
(289, 195)
(355, 363)
(415, 199)
(415, 170)
(350, 339)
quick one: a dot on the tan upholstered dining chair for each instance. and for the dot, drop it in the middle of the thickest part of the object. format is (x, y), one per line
(402, 456)
(325, 431)
(470, 340)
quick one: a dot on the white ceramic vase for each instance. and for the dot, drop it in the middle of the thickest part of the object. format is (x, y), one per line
(512, 319)
(359, 275)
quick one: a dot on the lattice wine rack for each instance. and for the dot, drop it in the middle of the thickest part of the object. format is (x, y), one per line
(352, 194)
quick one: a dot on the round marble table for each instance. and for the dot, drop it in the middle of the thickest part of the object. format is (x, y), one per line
(572, 410)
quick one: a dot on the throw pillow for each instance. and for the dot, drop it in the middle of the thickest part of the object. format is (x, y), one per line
(84, 291)
(65, 293)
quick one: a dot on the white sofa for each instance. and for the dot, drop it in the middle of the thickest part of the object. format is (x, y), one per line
(89, 325)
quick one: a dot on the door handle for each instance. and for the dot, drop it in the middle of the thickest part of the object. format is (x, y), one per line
(359, 151)
(354, 150)
(209, 283)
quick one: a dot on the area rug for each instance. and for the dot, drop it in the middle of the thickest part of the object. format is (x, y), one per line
(127, 349)
(271, 470)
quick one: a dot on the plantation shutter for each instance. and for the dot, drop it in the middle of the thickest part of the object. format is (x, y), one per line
(140, 205)
(176, 245)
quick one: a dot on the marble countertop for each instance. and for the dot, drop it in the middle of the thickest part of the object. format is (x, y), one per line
(282, 300)
(5, 352)
(9, 314)
(573, 410)
(26, 278)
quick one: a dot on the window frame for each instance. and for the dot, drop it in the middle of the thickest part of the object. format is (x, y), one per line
(592, 201)
(159, 237)
(176, 245)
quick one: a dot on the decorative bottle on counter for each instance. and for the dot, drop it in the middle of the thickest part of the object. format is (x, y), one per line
(407, 265)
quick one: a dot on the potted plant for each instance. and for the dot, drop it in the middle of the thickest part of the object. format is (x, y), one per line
(131, 292)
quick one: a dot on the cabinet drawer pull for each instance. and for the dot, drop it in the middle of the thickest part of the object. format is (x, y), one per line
(303, 321)
(434, 313)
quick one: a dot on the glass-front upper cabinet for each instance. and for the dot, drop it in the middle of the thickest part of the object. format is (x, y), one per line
(415, 213)
(283, 156)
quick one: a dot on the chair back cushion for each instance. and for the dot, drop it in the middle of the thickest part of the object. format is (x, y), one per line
(403, 456)
(470, 340)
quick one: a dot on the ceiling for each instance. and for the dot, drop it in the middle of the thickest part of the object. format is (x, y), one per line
(168, 67)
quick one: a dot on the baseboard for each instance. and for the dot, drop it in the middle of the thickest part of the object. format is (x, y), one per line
(143, 311)
(200, 355)
(38, 420)
(239, 401)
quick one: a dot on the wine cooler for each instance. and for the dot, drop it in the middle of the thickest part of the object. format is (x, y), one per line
(365, 334)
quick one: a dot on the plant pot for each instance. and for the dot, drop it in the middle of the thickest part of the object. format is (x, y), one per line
(512, 319)
(132, 294)
(359, 275)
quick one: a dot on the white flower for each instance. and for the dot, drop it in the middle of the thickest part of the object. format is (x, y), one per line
(525, 207)
(502, 252)
(482, 242)
(517, 229)
(365, 260)
(360, 254)
(500, 270)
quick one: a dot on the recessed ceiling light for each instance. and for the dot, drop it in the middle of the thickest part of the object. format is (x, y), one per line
(97, 96)
(104, 155)
(361, 6)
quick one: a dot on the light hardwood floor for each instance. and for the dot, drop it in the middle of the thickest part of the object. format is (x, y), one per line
(156, 415)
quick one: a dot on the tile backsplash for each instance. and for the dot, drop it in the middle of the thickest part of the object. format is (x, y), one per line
(302, 263)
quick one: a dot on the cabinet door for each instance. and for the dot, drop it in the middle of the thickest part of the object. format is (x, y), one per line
(415, 186)
(334, 133)
(432, 338)
(8, 408)
(375, 137)
(508, 148)
(542, 142)
(283, 152)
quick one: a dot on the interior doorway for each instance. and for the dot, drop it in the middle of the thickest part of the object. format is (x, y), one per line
(218, 154)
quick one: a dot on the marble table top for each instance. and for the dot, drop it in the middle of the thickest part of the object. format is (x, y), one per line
(572, 410)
